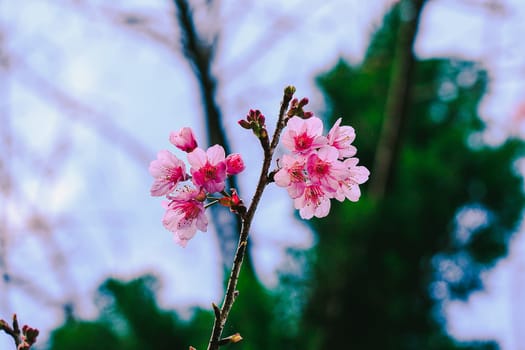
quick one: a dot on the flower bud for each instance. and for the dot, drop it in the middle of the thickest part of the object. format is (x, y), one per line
(234, 202)
(307, 115)
(261, 119)
(184, 140)
(255, 121)
(30, 334)
(289, 91)
(234, 164)
(251, 115)
(245, 124)
(296, 109)
(235, 199)
(303, 102)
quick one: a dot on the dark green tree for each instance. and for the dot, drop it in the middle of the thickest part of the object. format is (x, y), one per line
(130, 319)
(384, 266)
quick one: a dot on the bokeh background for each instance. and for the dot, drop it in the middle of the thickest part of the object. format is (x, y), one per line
(431, 257)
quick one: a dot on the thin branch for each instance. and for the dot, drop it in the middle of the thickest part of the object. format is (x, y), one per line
(231, 293)
(14, 331)
(24, 338)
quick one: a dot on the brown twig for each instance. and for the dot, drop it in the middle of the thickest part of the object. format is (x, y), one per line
(221, 316)
(24, 338)
(14, 331)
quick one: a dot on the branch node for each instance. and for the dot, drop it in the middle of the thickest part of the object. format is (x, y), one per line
(234, 338)
(216, 310)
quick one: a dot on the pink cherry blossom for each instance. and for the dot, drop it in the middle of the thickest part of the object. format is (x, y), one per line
(208, 169)
(303, 135)
(185, 215)
(325, 169)
(341, 137)
(184, 139)
(168, 171)
(349, 185)
(313, 202)
(320, 168)
(292, 175)
(234, 164)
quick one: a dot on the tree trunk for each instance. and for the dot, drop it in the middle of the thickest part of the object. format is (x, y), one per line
(398, 99)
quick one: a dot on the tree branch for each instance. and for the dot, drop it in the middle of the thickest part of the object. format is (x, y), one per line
(24, 338)
(398, 99)
(231, 293)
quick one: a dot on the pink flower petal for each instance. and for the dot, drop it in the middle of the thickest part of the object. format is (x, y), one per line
(197, 158)
(184, 139)
(215, 154)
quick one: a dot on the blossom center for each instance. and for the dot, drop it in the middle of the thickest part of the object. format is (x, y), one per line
(303, 142)
(209, 172)
(297, 174)
(191, 211)
(321, 168)
(174, 174)
(313, 194)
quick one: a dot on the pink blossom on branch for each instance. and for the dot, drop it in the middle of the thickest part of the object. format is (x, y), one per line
(325, 169)
(208, 169)
(184, 139)
(234, 164)
(185, 214)
(185, 208)
(292, 175)
(303, 135)
(168, 171)
(319, 168)
(313, 202)
(349, 185)
(341, 137)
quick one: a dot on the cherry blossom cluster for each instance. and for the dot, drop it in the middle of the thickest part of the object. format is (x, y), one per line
(187, 194)
(319, 167)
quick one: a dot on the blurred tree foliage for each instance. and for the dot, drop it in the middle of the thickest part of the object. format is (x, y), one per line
(130, 319)
(382, 268)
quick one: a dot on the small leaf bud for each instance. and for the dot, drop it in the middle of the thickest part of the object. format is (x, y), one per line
(246, 125)
(289, 91)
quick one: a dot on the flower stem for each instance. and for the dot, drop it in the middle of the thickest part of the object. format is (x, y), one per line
(14, 331)
(221, 316)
